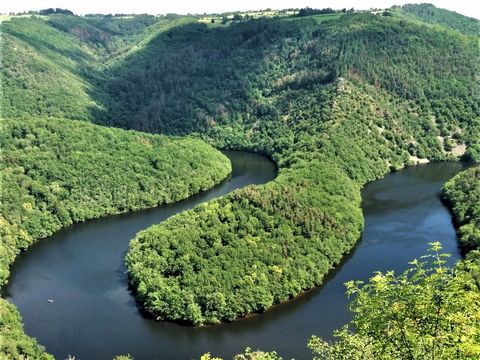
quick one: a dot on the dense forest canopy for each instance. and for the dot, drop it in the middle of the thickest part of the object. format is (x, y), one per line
(336, 98)
(463, 194)
(431, 14)
(55, 172)
(353, 97)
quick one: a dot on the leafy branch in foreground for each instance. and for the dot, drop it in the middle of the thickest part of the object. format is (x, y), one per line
(428, 312)
(249, 354)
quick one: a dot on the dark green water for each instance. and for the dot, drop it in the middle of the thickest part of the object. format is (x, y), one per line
(94, 316)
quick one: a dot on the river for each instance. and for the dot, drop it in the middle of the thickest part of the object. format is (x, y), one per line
(94, 316)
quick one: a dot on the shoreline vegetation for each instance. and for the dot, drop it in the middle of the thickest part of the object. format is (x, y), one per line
(462, 195)
(57, 172)
(337, 101)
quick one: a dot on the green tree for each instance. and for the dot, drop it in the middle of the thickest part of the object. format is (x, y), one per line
(249, 354)
(428, 312)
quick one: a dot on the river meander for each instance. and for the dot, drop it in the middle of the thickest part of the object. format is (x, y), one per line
(94, 316)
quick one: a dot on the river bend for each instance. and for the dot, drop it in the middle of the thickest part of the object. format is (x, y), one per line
(94, 316)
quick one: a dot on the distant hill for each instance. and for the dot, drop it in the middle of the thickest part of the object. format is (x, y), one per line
(431, 14)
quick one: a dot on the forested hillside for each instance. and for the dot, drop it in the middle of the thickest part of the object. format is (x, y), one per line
(42, 71)
(463, 195)
(434, 15)
(52, 65)
(56, 172)
(244, 78)
(337, 104)
(336, 101)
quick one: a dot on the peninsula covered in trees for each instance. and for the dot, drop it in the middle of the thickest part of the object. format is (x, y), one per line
(333, 122)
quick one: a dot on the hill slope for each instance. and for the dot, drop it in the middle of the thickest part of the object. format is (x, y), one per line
(56, 172)
(41, 74)
(336, 104)
(463, 194)
(431, 14)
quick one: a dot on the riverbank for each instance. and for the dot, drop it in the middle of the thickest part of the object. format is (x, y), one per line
(402, 214)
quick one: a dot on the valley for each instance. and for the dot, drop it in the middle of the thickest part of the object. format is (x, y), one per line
(107, 114)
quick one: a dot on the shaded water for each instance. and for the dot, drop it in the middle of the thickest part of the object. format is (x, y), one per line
(94, 316)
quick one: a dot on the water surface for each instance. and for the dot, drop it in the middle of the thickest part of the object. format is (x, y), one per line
(94, 316)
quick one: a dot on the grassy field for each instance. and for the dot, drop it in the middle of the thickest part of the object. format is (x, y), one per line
(207, 19)
(325, 17)
(7, 17)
